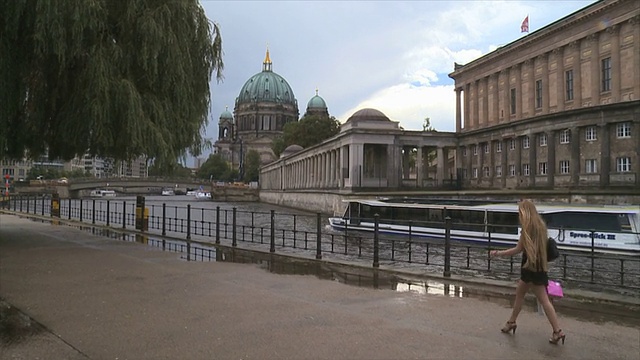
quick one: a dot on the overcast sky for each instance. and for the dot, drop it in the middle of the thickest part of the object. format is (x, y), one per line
(394, 56)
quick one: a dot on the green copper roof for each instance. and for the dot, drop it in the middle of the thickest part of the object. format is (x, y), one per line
(226, 114)
(266, 86)
(316, 102)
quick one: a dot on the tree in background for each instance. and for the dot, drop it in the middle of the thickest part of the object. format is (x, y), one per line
(170, 170)
(216, 168)
(110, 78)
(309, 131)
(251, 166)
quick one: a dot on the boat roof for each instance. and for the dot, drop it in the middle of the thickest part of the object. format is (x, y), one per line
(506, 206)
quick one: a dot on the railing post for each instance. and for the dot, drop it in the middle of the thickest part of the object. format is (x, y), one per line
(80, 209)
(376, 240)
(217, 224)
(27, 204)
(188, 222)
(70, 208)
(164, 220)
(124, 215)
(108, 206)
(447, 247)
(318, 235)
(43, 200)
(93, 211)
(20, 202)
(234, 241)
(489, 251)
(272, 247)
(593, 250)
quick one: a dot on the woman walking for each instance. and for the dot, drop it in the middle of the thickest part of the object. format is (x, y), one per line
(533, 273)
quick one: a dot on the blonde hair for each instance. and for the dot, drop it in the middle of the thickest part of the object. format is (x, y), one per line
(534, 236)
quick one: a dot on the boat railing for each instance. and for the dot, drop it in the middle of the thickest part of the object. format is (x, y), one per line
(306, 235)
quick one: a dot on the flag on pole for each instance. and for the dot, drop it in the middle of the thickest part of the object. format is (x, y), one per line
(525, 25)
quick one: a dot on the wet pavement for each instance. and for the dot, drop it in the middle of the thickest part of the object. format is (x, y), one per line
(68, 294)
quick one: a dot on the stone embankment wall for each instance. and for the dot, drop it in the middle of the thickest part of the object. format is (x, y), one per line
(329, 202)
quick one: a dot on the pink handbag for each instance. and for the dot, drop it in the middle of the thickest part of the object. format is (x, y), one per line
(554, 289)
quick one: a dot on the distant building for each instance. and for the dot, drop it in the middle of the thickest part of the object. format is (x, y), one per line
(558, 108)
(265, 104)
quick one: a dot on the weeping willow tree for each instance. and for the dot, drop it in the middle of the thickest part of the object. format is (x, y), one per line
(110, 78)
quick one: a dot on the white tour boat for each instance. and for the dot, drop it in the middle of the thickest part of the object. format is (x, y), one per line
(167, 192)
(615, 228)
(100, 193)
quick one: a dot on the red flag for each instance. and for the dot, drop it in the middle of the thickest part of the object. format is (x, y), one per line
(525, 25)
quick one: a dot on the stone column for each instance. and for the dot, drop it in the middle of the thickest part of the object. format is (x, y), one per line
(560, 80)
(518, 86)
(594, 40)
(355, 164)
(614, 33)
(419, 168)
(492, 164)
(575, 156)
(533, 155)
(504, 160)
(458, 160)
(406, 156)
(458, 111)
(605, 154)
(394, 172)
(544, 60)
(576, 51)
(505, 113)
(467, 103)
(518, 162)
(635, 23)
(496, 99)
(440, 166)
(551, 157)
(531, 69)
(476, 105)
(484, 119)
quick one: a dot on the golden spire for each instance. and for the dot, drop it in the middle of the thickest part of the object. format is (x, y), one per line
(316, 91)
(267, 61)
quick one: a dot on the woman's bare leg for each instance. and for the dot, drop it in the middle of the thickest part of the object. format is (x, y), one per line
(521, 290)
(541, 294)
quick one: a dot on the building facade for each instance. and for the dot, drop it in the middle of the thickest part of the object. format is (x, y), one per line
(559, 107)
(264, 105)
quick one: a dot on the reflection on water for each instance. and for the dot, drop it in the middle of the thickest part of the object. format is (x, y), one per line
(430, 287)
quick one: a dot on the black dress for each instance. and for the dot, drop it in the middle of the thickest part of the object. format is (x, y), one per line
(532, 277)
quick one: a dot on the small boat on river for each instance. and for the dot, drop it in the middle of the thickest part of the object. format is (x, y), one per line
(102, 193)
(611, 229)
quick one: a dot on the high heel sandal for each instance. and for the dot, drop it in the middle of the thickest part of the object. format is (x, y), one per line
(509, 326)
(557, 336)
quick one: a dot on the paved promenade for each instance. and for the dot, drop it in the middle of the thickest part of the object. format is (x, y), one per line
(106, 299)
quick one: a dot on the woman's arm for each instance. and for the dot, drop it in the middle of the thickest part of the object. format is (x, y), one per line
(509, 252)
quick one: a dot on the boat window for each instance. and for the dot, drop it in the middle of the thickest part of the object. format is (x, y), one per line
(588, 221)
(503, 222)
(625, 224)
(469, 220)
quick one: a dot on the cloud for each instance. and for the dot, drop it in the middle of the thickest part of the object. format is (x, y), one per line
(394, 56)
(410, 105)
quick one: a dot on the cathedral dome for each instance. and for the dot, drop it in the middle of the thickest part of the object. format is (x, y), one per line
(368, 114)
(266, 86)
(316, 102)
(226, 115)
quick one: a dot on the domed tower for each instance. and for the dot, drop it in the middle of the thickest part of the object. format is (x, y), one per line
(265, 104)
(317, 106)
(225, 126)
